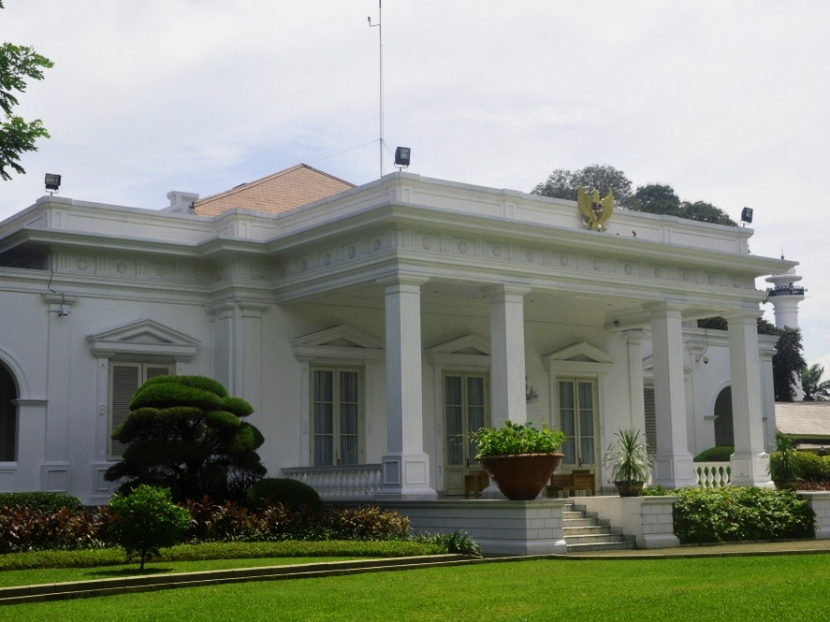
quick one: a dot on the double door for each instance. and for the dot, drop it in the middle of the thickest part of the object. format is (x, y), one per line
(577, 405)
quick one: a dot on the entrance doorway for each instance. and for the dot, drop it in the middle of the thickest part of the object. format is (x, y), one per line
(465, 411)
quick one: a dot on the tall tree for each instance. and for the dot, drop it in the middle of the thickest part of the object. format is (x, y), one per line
(564, 184)
(815, 390)
(705, 212)
(17, 136)
(787, 364)
(656, 199)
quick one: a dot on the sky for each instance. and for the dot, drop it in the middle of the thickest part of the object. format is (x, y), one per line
(727, 102)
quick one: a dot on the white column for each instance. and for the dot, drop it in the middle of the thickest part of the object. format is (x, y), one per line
(637, 407)
(768, 395)
(750, 463)
(507, 336)
(673, 462)
(405, 464)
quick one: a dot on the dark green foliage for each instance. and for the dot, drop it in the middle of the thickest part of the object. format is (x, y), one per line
(457, 542)
(289, 492)
(17, 64)
(804, 466)
(705, 212)
(720, 453)
(815, 390)
(185, 433)
(787, 364)
(564, 184)
(662, 199)
(43, 501)
(732, 514)
(146, 520)
(656, 491)
(517, 438)
(783, 464)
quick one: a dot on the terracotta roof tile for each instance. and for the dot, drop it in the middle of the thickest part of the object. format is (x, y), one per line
(280, 192)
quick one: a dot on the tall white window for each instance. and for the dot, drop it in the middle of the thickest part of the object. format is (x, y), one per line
(125, 378)
(577, 416)
(336, 415)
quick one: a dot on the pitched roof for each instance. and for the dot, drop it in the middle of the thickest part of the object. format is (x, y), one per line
(803, 419)
(280, 192)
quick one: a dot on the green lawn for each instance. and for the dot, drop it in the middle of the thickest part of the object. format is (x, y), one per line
(732, 589)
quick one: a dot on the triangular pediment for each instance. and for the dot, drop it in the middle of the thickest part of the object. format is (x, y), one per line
(144, 337)
(581, 352)
(468, 344)
(337, 337)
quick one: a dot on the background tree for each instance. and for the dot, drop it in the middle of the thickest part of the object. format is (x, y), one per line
(705, 212)
(814, 389)
(186, 433)
(17, 64)
(563, 184)
(787, 364)
(656, 199)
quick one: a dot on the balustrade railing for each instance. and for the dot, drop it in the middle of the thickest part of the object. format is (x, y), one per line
(712, 474)
(339, 483)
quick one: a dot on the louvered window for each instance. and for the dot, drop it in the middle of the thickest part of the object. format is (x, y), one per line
(125, 378)
(651, 419)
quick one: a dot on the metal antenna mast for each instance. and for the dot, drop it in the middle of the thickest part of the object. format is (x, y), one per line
(380, 52)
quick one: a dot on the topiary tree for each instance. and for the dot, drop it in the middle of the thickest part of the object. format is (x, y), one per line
(186, 433)
(146, 520)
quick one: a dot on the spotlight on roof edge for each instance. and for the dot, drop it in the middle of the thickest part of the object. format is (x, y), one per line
(402, 157)
(746, 216)
(52, 181)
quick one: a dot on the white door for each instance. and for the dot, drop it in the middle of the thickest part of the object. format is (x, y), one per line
(578, 420)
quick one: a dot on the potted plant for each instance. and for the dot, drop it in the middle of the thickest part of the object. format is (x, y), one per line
(519, 457)
(630, 462)
(784, 467)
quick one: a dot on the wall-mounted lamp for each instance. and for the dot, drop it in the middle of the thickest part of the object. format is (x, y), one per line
(53, 182)
(63, 311)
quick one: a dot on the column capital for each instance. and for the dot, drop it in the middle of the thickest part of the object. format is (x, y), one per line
(413, 280)
(501, 290)
(664, 307)
(633, 335)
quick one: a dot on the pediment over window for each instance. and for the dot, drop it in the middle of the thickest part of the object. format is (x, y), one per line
(579, 358)
(648, 368)
(144, 338)
(470, 350)
(337, 343)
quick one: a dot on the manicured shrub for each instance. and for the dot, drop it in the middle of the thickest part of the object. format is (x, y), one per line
(740, 513)
(146, 520)
(289, 492)
(185, 433)
(813, 468)
(45, 501)
(27, 529)
(366, 523)
(719, 453)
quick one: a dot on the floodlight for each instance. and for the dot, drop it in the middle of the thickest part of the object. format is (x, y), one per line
(402, 156)
(52, 181)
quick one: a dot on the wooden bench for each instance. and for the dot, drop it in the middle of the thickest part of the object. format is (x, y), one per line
(569, 483)
(475, 483)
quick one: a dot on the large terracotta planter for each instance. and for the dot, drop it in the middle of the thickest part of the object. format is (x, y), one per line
(522, 477)
(629, 489)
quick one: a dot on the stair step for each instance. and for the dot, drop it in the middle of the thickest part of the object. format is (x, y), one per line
(600, 546)
(578, 522)
(586, 530)
(593, 538)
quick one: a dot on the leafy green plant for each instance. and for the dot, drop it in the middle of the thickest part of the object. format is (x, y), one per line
(457, 542)
(736, 513)
(147, 520)
(289, 492)
(628, 457)
(514, 438)
(784, 465)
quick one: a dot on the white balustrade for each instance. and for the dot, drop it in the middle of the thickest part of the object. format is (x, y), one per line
(713, 474)
(339, 483)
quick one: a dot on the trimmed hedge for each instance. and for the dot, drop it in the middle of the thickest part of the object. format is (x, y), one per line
(289, 492)
(719, 453)
(737, 513)
(44, 501)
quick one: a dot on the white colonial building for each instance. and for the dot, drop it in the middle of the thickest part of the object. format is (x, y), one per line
(373, 327)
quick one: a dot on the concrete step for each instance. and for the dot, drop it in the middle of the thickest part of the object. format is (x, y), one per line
(578, 522)
(586, 530)
(593, 538)
(600, 546)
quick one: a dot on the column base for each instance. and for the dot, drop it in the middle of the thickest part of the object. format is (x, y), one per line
(674, 470)
(749, 469)
(405, 476)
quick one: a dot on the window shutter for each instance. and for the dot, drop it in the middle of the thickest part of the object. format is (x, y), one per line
(126, 379)
(651, 419)
(157, 370)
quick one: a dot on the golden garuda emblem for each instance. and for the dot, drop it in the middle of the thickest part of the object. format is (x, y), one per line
(596, 211)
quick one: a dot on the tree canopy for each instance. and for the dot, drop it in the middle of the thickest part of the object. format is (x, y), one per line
(564, 184)
(17, 136)
(662, 199)
(787, 364)
(815, 390)
(186, 433)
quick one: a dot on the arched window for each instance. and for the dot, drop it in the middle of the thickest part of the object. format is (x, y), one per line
(8, 416)
(724, 434)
